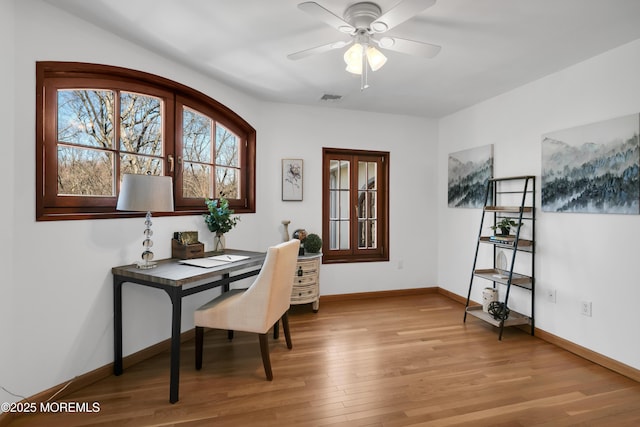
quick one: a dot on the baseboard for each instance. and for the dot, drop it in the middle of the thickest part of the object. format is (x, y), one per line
(571, 347)
(378, 294)
(590, 355)
(62, 390)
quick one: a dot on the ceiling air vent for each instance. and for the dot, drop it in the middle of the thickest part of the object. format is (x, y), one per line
(331, 98)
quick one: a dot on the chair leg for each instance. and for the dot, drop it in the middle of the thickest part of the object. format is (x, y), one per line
(276, 330)
(264, 350)
(230, 335)
(285, 328)
(199, 346)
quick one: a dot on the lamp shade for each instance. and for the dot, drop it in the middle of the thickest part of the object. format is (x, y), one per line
(376, 58)
(145, 193)
(353, 58)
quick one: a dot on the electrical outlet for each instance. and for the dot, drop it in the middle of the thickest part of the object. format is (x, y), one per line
(585, 308)
(551, 295)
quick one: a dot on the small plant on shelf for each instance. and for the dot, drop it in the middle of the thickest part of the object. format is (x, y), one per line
(504, 225)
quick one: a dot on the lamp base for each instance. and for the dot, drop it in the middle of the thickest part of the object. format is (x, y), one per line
(146, 265)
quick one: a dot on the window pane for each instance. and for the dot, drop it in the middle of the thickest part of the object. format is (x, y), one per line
(227, 182)
(226, 147)
(196, 180)
(85, 117)
(367, 234)
(140, 165)
(344, 211)
(339, 235)
(367, 175)
(196, 138)
(85, 172)
(344, 235)
(362, 204)
(140, 124)
(339, 174)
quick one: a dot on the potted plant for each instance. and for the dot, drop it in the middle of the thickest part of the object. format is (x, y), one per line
(313, 243)
(219, 220)
(504, 225)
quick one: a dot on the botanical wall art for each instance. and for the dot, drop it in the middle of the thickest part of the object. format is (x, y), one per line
(469, 172)
(593, 168)
(292, 179)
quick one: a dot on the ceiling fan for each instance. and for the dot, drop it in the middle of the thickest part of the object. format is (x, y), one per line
(365, 23)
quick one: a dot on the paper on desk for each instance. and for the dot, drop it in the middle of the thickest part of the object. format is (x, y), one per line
(228, 258)
(204, 262)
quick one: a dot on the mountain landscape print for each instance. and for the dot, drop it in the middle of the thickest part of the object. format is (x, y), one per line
(593, 168)
(469, 173)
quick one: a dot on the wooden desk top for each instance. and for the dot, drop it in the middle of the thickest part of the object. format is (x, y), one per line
(170, 272)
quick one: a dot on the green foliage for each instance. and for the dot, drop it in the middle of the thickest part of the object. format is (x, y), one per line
(220, 219)
(505, 225)
(313, 243)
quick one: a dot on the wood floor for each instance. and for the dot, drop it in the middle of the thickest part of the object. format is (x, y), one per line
(399, 361)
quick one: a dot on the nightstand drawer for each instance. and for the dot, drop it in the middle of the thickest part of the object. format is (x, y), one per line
(306, 282)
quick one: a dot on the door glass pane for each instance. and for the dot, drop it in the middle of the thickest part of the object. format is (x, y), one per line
(85, 172)
(140, 124)
(85, 117)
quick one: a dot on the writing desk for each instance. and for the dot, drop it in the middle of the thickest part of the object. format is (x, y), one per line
(178, 281)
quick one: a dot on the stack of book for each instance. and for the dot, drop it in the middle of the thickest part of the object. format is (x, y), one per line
(505, 240)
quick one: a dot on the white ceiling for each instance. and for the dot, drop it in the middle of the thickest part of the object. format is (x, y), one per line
(488, 46)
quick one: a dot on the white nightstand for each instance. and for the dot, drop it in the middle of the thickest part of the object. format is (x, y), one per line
(306, 283)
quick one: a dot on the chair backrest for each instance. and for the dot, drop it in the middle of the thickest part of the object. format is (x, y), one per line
(269, 295)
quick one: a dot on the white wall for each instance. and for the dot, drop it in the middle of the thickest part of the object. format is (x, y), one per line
(61, 319)
(583, 256)
(7, 138)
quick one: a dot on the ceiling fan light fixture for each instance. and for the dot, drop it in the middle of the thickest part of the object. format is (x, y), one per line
(376, 58)
(353, 58)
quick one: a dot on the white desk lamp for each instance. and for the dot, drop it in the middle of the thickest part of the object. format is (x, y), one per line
(146, 193)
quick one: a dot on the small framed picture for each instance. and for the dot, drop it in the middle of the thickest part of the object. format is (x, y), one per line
(292, 179)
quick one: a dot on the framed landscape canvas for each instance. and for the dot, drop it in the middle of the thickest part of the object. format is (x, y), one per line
(469, 173)
(292, 179)
(593, 168)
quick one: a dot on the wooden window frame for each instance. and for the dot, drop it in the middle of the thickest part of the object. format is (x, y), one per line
(51, 76)
(381, 252)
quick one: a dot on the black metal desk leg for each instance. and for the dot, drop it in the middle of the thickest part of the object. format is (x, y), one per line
(176, 320)
(117, 326)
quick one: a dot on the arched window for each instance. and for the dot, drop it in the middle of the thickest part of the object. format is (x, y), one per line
(95, 123)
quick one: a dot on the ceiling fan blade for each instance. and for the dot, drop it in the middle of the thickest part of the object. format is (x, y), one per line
(411, 47)
(326, 16)
(401, 12)
(318, 49)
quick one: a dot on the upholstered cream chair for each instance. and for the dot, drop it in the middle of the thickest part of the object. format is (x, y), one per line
(257, 308)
